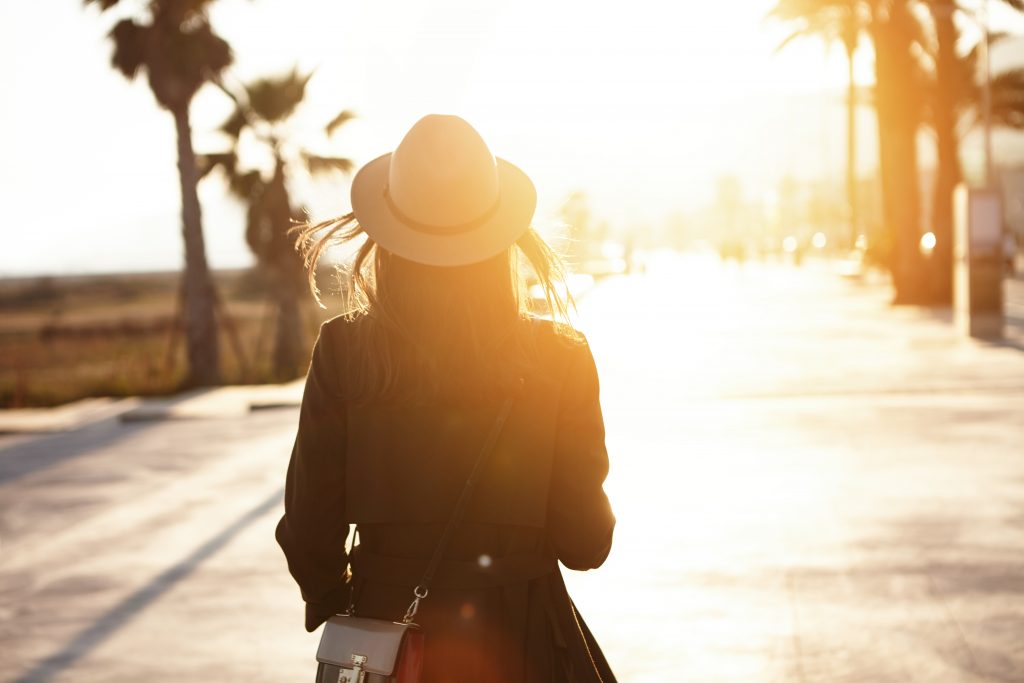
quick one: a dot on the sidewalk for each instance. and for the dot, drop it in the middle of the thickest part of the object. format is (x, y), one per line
(816, 487)
(235, 400)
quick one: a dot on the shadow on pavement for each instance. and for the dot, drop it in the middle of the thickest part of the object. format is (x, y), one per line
(26, 457)
(108, 624)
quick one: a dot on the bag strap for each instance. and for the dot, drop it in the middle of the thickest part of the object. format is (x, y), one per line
(423, 587)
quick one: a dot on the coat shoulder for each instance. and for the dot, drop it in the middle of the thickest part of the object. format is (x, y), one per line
(559, 348)
(339, 331)
(341, 324)
(557, 338)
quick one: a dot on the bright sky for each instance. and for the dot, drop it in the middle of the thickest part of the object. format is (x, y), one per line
(643, 105)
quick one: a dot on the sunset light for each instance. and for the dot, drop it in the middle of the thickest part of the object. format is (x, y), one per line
(629, 111)
(494, 341)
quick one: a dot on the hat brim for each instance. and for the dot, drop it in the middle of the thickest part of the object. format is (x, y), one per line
(507, 223)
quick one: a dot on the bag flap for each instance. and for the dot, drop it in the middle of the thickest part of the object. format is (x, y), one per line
(377, 640)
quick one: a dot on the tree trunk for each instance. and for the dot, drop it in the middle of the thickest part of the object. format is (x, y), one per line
(289, 351)
(851, 150)
(898, 109)
(200, 320)
(288, 348)
(948, 166)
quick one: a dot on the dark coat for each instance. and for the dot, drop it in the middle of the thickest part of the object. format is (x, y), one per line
(498, 610)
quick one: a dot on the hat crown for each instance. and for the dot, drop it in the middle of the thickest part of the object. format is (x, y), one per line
(443, 173)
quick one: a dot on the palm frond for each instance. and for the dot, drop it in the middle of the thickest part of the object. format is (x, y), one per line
(974, 54)
(246, 185)
(1008, 98)
(795, 35)
(104, 4)
(792, 10)
(234, 124)
(994, 38)
(968, 76)
(274, 99)
(187, 8)
(831, 20)
(341, 119)
(208, 162)
(130, 46)
(320, 164)
(209, 54)
(195, 6)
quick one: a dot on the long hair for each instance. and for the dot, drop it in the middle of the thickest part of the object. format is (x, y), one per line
(422, 331)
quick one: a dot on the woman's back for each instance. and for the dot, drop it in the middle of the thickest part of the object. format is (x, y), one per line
(398, 403)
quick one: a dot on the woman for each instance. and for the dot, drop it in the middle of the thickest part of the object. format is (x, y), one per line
(401, 394)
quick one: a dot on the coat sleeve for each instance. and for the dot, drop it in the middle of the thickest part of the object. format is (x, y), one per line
(580, 519)
(313, 529)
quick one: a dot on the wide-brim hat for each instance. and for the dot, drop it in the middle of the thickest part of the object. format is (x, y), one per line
(441, 198)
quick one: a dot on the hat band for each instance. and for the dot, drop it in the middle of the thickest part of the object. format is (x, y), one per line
(429, 229)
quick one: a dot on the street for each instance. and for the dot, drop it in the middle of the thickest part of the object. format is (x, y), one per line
(809, 484)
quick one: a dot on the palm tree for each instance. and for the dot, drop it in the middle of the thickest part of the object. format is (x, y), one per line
(943, 120)
(263, 115)
(953, 92)
(172, 41)
(845, 21)
(895, 35)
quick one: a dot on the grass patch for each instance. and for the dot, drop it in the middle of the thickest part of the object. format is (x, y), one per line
(63, 339)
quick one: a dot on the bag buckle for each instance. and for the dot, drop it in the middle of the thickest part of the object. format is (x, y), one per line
(355, 674)
(419, 592)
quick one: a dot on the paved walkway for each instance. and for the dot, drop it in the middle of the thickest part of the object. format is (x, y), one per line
(197, 403)
(810, 486)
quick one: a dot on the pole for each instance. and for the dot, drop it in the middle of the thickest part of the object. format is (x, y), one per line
(990, 175)
(851, 147)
